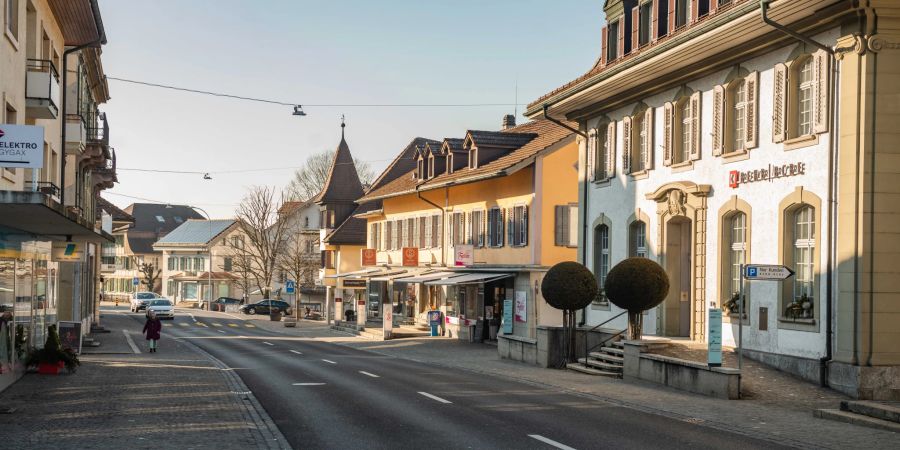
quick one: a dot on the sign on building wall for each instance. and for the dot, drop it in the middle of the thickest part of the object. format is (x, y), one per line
(463, 255)
(770, 173)
(67, 252)
(714, 350)
(368, 257)
(521, 307)
(410, 256)
(507, 316)
(22, 146)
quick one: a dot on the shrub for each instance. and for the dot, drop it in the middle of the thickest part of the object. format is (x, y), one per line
(636, 285)
(52, 353)
(569, 286)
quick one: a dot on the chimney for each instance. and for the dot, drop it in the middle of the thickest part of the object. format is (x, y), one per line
(509, 121)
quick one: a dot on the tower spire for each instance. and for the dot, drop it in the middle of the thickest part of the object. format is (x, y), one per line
(343, 125)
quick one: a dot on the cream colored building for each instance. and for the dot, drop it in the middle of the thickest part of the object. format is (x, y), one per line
(716, 139)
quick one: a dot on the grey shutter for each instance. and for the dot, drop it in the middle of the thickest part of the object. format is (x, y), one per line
(626, 145)
(779, 113)
(821, 62)
(752, 106)
(523, 235)
(668, 132)
(559, 226)
(695, 126)
(718, 121)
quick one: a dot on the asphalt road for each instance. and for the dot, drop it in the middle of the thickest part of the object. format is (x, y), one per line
(324, 395)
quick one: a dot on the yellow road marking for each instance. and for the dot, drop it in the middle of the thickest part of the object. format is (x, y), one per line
(250, 326)
(202, 324)
(233, 325)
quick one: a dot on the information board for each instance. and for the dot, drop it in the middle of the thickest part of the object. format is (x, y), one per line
(507, 316)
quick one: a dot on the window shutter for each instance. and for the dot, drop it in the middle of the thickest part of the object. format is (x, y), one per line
(779, 102)
(500, 223)
(483, 228)
(573, 225)
(718, 120)
(524, 235)
(603, 45)
(668, 140)
(713, 5)
(510, 226)
(752, 106)
(821, 62)
(654, 20)
(621, 29)
(590, 164)
(558, 232)
(635, 27)
(439, 233)
(626, 145)
(610, 150)
(418, 225)
(671, 16)
(695, 10)
(648, 119)
(470, 236)
(695, 125)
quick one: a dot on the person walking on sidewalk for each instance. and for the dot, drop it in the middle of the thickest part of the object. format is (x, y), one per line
(152, 328)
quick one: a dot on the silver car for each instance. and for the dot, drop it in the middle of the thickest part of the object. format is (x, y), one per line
(163, 308)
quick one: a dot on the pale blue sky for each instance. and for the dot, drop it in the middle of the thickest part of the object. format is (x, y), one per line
(318, 52)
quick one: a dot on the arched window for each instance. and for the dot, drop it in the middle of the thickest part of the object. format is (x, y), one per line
(737, 249)
(798, 302)
(601, 259)
(637, 239)
(804, 246)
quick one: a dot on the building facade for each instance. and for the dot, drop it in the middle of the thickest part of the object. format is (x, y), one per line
(300, 261)
(51, 83)
(714, 139)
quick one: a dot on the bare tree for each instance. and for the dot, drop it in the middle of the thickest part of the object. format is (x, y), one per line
(264, 231)
(241, 264)
(149, 273)
(309, 180)
(299, 260)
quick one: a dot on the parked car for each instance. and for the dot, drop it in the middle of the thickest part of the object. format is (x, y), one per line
(220, 303)
(163, 308)
(139, 300)
(264, 307)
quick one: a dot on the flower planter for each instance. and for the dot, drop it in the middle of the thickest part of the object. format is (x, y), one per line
(50, 368)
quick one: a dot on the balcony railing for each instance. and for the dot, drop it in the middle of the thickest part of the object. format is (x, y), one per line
(44, 187)
(41, 89)
(76, 133)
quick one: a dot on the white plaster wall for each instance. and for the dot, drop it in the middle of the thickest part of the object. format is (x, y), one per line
(623, 196)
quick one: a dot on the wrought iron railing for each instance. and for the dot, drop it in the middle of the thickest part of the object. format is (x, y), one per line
(587, 351)
(44, 187)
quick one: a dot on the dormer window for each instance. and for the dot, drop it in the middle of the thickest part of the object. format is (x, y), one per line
(612, 49)
(430, 166)
(450, 162)
(420, 165)
(473, 158)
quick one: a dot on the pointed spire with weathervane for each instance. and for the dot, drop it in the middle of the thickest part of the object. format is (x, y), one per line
(342, 185)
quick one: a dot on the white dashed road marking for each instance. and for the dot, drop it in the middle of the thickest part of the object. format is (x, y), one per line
(295, 351)
(329, 361)
(268, 343)
(435, 397)
(550, 442)
(368, 374)
(222, 331)
(308, 384)
(130, 342)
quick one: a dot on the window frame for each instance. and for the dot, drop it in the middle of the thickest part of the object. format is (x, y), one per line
(602, 261)
(637, 234)
(789, 207)
(495, 227)
(612, 39)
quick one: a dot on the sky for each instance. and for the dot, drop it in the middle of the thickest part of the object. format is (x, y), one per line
(347, 52)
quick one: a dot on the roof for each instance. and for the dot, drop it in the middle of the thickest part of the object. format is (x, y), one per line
(404, 162)
(353, 230)
(498, 138)
(291, 206)
(195, 232)
(343, 183)
(148, 227)
(454, 145)
(118, 215)
(541, 135)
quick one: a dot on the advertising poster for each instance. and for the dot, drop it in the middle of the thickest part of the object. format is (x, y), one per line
(521, 307)
(714, 358)
(507, 316)
(70, 335)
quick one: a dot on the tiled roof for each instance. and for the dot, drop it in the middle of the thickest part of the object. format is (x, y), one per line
(499, 138)
(454, 145)
(195, 232)
(542, 134)
(148, 227)
(118, 215)
(353, 230)
(343, 183)
(404, 162)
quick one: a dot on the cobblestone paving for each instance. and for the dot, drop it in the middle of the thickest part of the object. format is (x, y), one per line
(175, 398)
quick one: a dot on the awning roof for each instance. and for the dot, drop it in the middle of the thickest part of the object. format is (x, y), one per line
(351, 274)
(394, 275)
(469, 278)
(380, 273)
(38, 214)
(427, 277)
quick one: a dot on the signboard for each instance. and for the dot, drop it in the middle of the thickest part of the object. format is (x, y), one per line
(434, 317)
(388, 323)
(770, 173)
(767, 272)
(69, 335)
(289, 286)
(369, 256)
(410, 256)
(521, 307)
(355, 283)
(21, 146)
(135, 281)
(507, 316)
(463, 255)
(714, 350)
(67, 251)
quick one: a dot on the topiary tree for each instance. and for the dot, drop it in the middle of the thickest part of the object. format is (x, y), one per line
(569, 286)
(636, 285)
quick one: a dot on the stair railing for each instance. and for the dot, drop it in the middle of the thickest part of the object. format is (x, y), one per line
(603, 342)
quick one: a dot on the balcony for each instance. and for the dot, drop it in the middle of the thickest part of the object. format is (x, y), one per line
(44, 187)
(108, 268)
(76, 134)
(41, 89)
(105, 174)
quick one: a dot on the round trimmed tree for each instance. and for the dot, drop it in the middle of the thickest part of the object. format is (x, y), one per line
(569, 286)
(636, 285)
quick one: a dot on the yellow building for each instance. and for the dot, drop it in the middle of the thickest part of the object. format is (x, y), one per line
(469, 229)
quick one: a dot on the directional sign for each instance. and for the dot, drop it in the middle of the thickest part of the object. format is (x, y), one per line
(135, 281)
(767, 272)
(289, 286)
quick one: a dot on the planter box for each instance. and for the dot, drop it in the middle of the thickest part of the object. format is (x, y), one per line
(290, 323)
(51, 369)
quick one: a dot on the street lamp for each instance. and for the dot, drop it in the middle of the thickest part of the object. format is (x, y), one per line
(209, 245)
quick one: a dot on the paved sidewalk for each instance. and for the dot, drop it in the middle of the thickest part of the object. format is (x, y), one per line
(175, 398)
(780, 407)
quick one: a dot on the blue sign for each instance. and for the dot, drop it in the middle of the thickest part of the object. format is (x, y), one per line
(714, 353)
(752, 271)
(289, 286)
(508, 316)
(434, 317)
(135, 281)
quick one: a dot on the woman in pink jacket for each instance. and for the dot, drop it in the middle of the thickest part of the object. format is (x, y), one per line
(152, 329)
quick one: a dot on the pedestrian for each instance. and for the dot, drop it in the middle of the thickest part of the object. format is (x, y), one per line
(306, 313)
(152, 328)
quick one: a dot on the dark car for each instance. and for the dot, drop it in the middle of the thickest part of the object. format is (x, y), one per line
(265, 306)
(220, 303)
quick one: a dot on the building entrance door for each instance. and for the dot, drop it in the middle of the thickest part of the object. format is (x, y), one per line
(677, 306)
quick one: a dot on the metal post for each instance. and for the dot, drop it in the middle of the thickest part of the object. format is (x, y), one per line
(740, 328)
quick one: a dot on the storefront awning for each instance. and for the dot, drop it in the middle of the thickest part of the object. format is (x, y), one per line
(469, 278)
(352, 274)
(384, 275)
(427, 277)
(38, 214)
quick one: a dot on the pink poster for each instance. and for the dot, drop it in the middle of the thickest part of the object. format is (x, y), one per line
(521, 307)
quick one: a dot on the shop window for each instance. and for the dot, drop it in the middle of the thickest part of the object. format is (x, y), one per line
(637, 239)
(800, 241)
(804, 249)
(601, 260)
(495, 227)
(737, 256)
(801, 97)
(566, 225)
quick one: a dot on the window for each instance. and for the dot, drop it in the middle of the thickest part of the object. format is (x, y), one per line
(178, 219)
(424, 227)
(645, 22)
(199, 264)
(173, 262)
(637, 239)
(328, 259)
(477, 228)
(738, 115)
(306, 222)
(612, 48)
(601, 259)
(637, 142)
(12, 18)
(602, 151)
(160, 219)
(430, 166)
(684, 132)
(458, 225)
(517, 226)
(734, 115)
(410, 233)
(449, 162)
(805, 97)
(682, 9)
(420, 166)
(237, 242)
(227, 264)
(737, 251)
(800, 101)
(804, 234)
(495, 227)
(436, 231)
(566, 226)
(473, 158)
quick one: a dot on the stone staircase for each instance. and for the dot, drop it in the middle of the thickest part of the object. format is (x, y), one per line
(872, 414)
(605, 363)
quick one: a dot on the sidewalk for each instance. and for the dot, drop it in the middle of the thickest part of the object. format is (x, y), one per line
(780, 407)
(176, 398)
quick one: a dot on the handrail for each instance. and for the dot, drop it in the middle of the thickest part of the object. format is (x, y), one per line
(586, 350)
